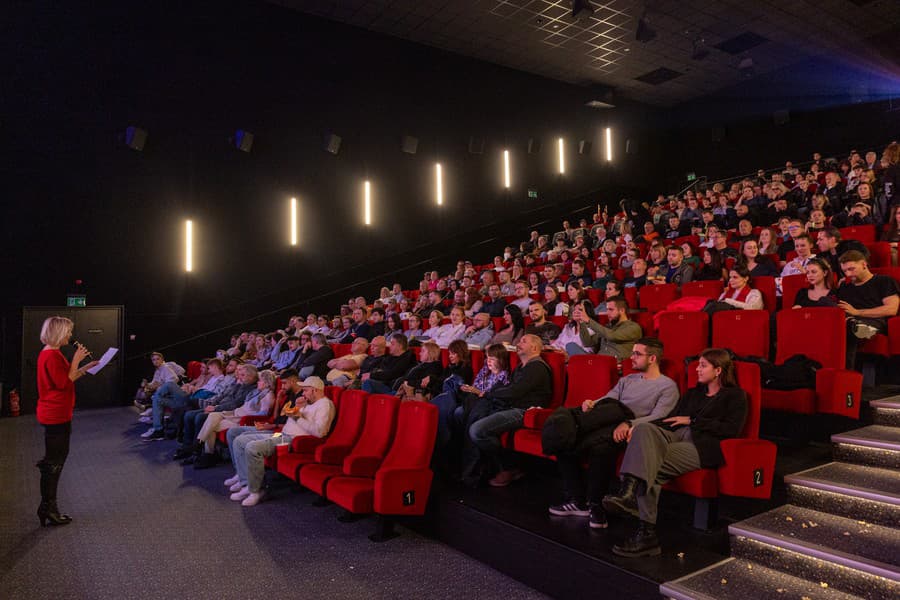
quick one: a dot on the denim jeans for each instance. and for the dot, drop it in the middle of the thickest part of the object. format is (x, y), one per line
(485, 433)
(171, 395)
(572, 349)
(249, 453)
(193, 421)
(376, 387)
(447, 402)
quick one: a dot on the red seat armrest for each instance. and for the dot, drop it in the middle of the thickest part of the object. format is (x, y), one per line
(536, 417)
(333, 454)
(306, 444)
(749, 468)
(402, 491)
(838, 392)
(253, 419)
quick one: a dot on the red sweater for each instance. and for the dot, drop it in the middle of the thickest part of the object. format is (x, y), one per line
(56, 392)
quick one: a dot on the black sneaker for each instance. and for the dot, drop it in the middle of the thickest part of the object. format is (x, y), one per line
(570, 508)
(598, 517)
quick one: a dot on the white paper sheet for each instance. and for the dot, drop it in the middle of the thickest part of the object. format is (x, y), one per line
(104, 360)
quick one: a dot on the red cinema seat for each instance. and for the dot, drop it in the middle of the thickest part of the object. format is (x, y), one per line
(477, 358)
(790, 285)
(883, 345)
(744, 332)
(645, 320)
(333, 449)
(402, 483)
(683, 334)
(445, 357)
(879, 254)
(749, 461)
(893, 272)
(559, 321)
(193, 369)
(862, 233)
(631, 295)
(766, 287)
(656, 297)
(669, 368)
(341, 349)
(704, 289)
(595, 295)
(367, 453)
(557, 363)
(499, 323)
(590, 376)
(820, 334)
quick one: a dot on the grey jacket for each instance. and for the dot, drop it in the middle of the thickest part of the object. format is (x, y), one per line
(233, 396)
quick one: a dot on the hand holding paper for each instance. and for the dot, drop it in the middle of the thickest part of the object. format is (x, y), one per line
(104, 360)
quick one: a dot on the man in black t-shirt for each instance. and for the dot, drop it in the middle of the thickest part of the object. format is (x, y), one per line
(869, 300)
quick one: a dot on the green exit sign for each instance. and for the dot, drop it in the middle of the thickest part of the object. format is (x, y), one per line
(76, 300)
(532, 193)
(692, 177)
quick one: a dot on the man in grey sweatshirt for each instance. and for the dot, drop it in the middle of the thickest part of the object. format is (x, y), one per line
(604, 427)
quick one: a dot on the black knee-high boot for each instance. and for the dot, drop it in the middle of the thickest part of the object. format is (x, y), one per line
(48, 510)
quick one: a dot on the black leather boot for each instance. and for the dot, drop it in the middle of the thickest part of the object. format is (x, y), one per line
(643, 543)
(625, 502)
(48, 511)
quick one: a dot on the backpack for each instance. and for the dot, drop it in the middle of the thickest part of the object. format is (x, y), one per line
(797, 372)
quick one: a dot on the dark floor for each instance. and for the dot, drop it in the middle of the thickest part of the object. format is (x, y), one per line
(147, 528)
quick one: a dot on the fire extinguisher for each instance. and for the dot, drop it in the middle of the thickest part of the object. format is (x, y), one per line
(14, 403)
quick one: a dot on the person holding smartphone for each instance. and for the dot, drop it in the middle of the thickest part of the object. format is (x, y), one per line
(56, 400)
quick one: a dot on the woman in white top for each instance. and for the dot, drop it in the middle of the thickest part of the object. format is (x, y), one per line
(454, 330)
(569, 339)
(739, 294)
(258, 404)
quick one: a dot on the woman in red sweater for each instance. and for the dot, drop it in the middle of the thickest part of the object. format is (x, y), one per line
(56, 400)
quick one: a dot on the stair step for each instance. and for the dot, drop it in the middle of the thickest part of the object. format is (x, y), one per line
(868, 553)
(886, 411)
(876, 445)
(743, 579)
(890, 402)
(849, 490)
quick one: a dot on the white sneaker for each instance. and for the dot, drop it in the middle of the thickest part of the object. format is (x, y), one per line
(147, 413)
(253, 499)
(148, 433)
(232, 480)
(236, 487)
(146, 420)
(240, 494)
(864, 331)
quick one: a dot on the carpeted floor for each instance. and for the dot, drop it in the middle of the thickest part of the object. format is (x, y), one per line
(146, 527)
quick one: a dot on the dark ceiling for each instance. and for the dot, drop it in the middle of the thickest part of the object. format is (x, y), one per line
(542, 37)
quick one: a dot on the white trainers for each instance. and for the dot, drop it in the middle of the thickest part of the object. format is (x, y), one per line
(864, 331)
(253, 499)
(147, 413)
(240, 494)
(146, 420)
(236, 487)
(148, 433)
(232, 480)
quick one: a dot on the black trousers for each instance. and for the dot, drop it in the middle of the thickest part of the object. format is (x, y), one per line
(595, 442)
(56, 443)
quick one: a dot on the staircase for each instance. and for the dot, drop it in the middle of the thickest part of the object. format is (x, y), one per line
(838, 537)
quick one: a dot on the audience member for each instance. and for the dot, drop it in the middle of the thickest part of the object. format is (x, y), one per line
(346, 368)
(514, 326)
(616, 339)
(540, 326)
(869, 300)
(821, 290)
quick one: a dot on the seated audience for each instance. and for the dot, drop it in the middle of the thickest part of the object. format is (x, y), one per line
(638, 276)
(821, 290)
(480, 332)
(603, 428)
(831, 248)
(616, 339)
(442, 335)
(422, 380)
(393, 326)
(522, 300)
(756, 264)
(399, 360)
(163, 372)
(514, 328)
(663, 449)
(803, 247)
(540, 326)
(676, 270)
(359, 328)
(712, 268)
(869, 300)
(570, 340)
(496, 304)
(768, 241)
(345, 369)
(474, 304)
(738, 294)
(415, 327)
(316, 361)
(172, 396)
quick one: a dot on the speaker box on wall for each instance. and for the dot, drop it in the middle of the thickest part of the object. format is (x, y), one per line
(135, 138)
(584, 147)
(243, 140)
(631, 147)
(534, 145)
(409, 144)
(332, 143)
(476, 145)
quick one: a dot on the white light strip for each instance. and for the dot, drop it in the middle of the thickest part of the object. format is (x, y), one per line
(293, 221)
(439, 184)
(506, 180)
(608, 144)
(188, 245)
(368, 204)
(562, 158)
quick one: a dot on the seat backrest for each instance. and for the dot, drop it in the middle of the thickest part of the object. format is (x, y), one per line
(498, 323)
(655, 297)
(595, 295)
(747, 375)
(790, 285)
(445, 357)
(341, 349)
(193, 369)
(590, 376)
(631, 296)
(879, 254)
(513, 361)
(862, 233)
(557, 362)
(704, 289)
(348, 424)
(683, 334)
(378, 429)
(477, 358)
(334, 392)
(819, 333)
(744, 332)
(893, 272)
(559, 321)
(766, 287)
(416, 432)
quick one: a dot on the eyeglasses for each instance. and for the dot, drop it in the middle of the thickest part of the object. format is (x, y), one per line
(635, 353)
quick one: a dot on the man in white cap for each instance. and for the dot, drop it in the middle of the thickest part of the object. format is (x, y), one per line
(311, 414)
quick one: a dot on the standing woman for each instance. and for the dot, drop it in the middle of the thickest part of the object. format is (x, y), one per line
(56, 401)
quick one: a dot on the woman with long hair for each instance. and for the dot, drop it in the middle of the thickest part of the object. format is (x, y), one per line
(56, 379)
(473, 303)
(738, 293)
(757, 265)
(821, 290)
(569, 339)
(657, 452)
(393, 325)
(712, 268)
(768, 241)
(514, 328)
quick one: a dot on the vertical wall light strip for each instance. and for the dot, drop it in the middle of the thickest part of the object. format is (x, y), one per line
(506, 179)
(562, 157)
(188, 245)
(608, 144)
(368, 204)
(293, 221)
(439, 184)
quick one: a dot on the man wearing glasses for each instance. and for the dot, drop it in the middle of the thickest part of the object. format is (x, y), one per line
(603, 428)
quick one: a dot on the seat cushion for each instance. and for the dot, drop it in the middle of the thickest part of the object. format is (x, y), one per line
(316, 476)
(356, 494)
(289, 464)
(701, 483)
(795, 401)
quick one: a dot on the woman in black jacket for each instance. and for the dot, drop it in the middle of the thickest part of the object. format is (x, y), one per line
(425, 377)
(689, 439)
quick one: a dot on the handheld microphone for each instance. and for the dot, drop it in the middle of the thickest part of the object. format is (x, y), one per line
(76, 344)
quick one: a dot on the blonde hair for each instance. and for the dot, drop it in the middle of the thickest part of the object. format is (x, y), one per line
(56, 330)
(268, 377)
(434, 351)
